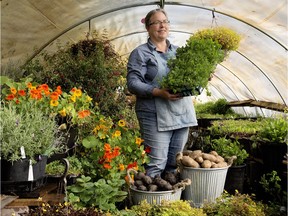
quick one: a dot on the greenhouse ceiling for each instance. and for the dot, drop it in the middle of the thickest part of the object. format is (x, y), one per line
(256, 72)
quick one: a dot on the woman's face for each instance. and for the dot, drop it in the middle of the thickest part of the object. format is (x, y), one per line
(159, 27)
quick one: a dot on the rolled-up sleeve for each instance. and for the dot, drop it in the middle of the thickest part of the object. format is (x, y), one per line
(137, 82)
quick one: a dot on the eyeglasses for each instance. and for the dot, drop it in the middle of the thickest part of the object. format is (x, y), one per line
(159, 22)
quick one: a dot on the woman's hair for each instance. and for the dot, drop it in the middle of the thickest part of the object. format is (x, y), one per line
(151, 13)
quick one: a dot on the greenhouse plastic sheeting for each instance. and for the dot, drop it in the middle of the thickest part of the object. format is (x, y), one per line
(257, 70)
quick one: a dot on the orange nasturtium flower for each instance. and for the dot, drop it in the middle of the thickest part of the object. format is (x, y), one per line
(10, 97)
(29, 85)
(13, 90)
(107, 147)
(84, 113)
(58, 90)
(44, 87)
(54, 96)
(121, 123)
(22, 92)
(107, 166)
(139, 141)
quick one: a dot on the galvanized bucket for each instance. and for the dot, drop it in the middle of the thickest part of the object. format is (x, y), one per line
(206, 184)
(154, 197)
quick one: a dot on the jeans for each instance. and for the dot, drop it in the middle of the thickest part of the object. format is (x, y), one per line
(164, 144)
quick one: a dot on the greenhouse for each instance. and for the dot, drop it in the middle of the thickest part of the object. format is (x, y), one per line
(77, 86)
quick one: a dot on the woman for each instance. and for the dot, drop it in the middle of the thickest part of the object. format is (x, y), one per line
(164, 118)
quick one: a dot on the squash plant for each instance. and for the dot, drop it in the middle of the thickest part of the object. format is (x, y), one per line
(194, 63)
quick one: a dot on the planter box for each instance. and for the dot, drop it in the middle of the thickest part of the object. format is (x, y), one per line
(18, 171)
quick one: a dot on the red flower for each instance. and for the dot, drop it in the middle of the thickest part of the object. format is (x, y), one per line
(10, 97)
(148, 149)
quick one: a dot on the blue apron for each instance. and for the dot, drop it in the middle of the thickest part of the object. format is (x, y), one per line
(172, 115)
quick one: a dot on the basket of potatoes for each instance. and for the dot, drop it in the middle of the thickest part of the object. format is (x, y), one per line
(207, 172)
(156, 189)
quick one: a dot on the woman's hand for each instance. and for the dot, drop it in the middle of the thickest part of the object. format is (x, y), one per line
(164, 93)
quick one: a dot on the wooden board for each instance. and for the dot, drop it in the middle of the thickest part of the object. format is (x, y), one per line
(48, 194)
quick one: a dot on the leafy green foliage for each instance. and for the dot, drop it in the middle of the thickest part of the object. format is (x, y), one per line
(103, 194)
(228, 148)
(166, 208)
(227, 38)
(274, 130)
(193, 65)
(238, 204)
(217, 108)
(38, 134)
(56, 167)
(271, 184)
(90, 64)
(236, 128)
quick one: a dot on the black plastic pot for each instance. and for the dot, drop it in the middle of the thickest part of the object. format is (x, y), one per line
(18, 171)
(235, 179)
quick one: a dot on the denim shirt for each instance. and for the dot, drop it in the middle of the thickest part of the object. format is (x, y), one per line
(146, 67)
(142, 69)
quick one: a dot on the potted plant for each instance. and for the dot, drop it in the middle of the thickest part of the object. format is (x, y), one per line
(236, 173)
(195, 62)
(28, 138)
(272, 139)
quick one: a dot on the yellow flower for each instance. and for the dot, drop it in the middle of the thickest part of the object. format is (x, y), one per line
(77, 93)
(121, 123)
(121, 167)
(73, 98)
(63, 112)
(139, 141)
(117, 133)
(54, 103)
(88, 98)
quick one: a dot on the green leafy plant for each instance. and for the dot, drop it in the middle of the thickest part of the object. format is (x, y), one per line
(235, 128)
(238, 204)
(227, 38)
(195, 62)
(271, 185)
(193, 65)
(37, 133)
(103, 194)
(90, 64)
(218, 108)
(228, 148)
(62, 209)
(274, 130)
(57, 168)
(167, 208)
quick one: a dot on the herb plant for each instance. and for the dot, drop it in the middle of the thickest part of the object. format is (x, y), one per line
(228, 148)
(37, 133)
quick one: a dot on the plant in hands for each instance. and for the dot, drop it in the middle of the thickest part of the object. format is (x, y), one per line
(195, 62)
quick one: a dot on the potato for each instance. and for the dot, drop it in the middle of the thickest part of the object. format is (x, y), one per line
(213, 153)
(206, 164)
(196, 153)
(209, 157)
(147, 180)
(219, 159)
(152, 187)
(189, 162)
(220, 165)
(199, 159)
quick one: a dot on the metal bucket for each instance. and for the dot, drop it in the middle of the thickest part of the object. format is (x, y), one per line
(154, 197)
(206, 184)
